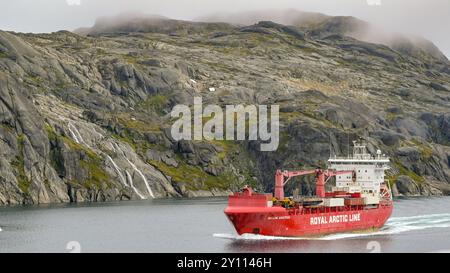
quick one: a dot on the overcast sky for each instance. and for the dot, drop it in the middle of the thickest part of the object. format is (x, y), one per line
(428, 18)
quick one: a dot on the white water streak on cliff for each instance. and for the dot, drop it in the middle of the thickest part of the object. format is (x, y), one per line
(74, 136)
(130, 180)
(118, 171)
(143, 177)
(116, 167)
(79, 139)
(118, 149)
(75, 133)
(136, 170)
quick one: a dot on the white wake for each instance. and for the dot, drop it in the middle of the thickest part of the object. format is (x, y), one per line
(395, 225)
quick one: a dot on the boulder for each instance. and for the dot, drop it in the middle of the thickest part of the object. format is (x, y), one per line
(406, 186)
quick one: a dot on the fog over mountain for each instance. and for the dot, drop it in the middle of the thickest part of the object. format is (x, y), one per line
(311, 23)
(423, 18)
(345, 25)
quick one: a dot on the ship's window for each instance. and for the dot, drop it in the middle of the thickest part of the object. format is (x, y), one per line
(366, 170)
(339, 177)
(359, 171)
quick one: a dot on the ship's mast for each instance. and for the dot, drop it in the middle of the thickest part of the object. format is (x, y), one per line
(322, 176)
(370, 176)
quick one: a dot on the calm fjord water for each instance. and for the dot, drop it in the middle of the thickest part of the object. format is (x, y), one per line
(199, 225)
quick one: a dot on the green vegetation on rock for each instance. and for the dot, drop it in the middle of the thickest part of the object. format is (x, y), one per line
(91, 162)
(426, 152)
(155, 103)
(24, 182)
(117, 85)
(194, 177)
(404, 171)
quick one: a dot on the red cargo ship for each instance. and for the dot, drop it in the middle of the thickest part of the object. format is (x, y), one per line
(361, 200)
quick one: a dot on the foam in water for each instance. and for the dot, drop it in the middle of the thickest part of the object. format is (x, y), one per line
(395, 225)
(248, 236)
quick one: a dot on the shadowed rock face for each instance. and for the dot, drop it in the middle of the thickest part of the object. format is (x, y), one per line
(86, 118)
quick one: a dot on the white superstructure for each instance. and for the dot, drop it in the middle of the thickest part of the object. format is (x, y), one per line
(369, 171)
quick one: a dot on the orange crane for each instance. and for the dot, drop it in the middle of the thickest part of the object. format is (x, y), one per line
(322, 177)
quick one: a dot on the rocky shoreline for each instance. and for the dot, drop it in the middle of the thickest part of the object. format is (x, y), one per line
(86, 117)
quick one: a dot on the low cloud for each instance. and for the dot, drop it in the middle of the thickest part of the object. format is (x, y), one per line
(429, 19)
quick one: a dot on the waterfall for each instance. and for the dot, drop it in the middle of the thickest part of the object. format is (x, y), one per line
(118, 171)
(79, 139)
(143, 177)
(130, 180)
(74, 136)
(112, 147)
(136, 170)
(118, 149)
(75, 133)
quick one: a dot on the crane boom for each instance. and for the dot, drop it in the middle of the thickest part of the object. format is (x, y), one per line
(322, 177)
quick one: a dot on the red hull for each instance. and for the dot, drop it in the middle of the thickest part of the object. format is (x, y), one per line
(279, 221)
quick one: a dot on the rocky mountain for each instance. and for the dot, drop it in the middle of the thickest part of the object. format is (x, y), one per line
(86, 117)
(319, 24)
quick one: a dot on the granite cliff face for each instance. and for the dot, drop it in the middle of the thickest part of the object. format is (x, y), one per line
(87, 117)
